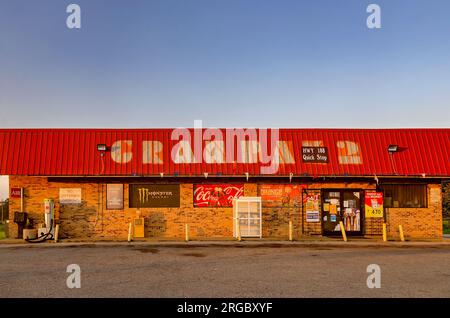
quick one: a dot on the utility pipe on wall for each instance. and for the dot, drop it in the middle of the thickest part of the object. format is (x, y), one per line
(21, 200)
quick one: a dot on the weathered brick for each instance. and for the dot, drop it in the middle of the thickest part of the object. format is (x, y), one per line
(91, 219)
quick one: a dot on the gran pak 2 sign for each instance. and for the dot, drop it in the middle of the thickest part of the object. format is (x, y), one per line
(154, 195)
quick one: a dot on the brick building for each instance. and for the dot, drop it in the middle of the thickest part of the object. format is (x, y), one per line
(102, 179)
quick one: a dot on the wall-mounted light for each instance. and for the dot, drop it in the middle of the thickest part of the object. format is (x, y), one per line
(206, 175)
(392, 148)
(290, 176)
(162, 174)
(247, 175)
(102, 147)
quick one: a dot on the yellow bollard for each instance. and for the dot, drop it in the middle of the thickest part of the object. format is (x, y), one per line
(344, 236)
(186, 229)
(290, 231)
(129, 232)
(402, 237)
(384, 233)
(238, 229)
(56, 233)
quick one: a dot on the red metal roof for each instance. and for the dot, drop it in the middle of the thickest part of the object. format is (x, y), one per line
(351, 152)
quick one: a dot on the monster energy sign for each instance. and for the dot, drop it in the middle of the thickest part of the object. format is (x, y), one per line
(154, 195)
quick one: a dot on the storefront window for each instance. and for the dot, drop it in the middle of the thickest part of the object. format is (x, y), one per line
(405, 195)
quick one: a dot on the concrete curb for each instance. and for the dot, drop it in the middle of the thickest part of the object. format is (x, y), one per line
(242, 244)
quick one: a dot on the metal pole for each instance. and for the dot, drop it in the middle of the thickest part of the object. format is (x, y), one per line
(400, 230)
(186, 233)
(56, 233)
(238, 229)
(290, 231)
(129, 232)
(21, 199)
(344, 236)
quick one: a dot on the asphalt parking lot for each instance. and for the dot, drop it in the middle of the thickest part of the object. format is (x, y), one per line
(224, 271)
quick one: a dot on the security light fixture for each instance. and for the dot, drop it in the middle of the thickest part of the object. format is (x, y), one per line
(101, 147)
(392, 148)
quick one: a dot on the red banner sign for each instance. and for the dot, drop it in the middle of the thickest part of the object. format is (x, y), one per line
(15, 193)
(281, 194)
(216, 195)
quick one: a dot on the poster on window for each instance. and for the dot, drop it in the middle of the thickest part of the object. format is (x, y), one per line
(114, 196)
(154, 195)
(70, 195)
(281, 194)
(311, 203)
(373, 204)
(217, 195)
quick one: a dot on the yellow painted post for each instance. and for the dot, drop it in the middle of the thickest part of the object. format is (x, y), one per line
(402, 237)
(384, 233)
(344, 236)
(186, 229)
(56, 233)
(238, 229)
(129, 232)
(290, 231)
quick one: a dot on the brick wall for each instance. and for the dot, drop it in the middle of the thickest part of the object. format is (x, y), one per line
(418, 223)
(91, 219)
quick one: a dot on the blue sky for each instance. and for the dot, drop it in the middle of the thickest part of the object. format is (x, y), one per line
(233, 63)
(164, 63)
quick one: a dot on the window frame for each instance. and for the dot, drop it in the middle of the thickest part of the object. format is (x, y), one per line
(424, 185)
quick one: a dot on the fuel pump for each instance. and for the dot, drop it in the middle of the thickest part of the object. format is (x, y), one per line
(49, 213)
(47, 232)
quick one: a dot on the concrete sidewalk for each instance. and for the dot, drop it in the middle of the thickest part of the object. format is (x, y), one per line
(323, 242)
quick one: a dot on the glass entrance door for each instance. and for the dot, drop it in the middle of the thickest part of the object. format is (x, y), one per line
(341, 205)
(331, 208)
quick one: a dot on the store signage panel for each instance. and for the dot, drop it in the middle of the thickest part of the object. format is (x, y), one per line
(281, 194)
(311, 203)
(114, 196)
(217, 195)
(15, 193)
(313, 216)
(70, 195)
(373, 203)
(315, 154)
(154, 195)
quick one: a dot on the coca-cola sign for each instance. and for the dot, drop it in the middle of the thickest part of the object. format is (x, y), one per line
(216, 195)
